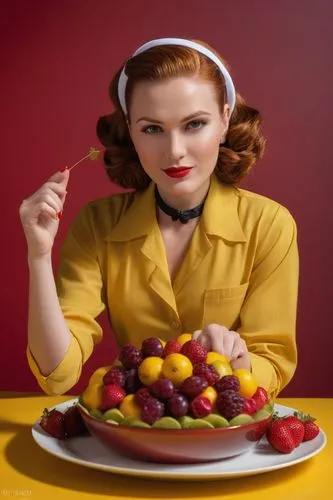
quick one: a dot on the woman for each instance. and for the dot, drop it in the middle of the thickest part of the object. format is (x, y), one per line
(186, 251)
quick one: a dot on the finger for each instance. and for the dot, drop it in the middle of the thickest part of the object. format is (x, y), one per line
(218, 344)
(243, 361)
(237, 363)
(65, 179)
(196, 334)
(63, 198)
(45, 208)
(235, 345)
(42, 210)
(57, 188)
(241, 351)
(204, 340)
(235, 351)
(219, 335)
(49, 212)
(60, 177)
(240, 348)
(51, 199)
(243, 347)
(60, 191)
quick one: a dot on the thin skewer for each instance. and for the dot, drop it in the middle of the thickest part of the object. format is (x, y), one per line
(92, 155)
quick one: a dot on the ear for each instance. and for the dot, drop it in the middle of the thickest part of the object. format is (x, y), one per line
(226, 115)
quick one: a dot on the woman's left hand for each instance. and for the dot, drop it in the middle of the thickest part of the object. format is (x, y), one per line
(227, 342)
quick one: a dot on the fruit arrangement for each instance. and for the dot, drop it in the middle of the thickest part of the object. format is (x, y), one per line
(177, 384)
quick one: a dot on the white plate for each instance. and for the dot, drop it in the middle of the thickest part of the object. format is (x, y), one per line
(89, 452)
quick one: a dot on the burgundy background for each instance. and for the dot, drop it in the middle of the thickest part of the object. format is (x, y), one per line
(57, 59)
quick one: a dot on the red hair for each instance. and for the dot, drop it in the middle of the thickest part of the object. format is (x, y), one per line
(244, 143)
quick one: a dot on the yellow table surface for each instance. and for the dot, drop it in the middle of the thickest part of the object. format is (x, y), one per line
(27, 471)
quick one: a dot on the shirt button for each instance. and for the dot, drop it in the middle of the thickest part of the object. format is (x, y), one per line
(175, 324)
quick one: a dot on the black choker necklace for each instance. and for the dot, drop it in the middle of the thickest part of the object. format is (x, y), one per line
(182, 215)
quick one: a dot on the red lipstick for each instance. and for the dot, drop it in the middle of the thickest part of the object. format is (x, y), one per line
(177, 172)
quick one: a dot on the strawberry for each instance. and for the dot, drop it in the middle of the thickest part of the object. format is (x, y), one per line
(52, 422)
(250, 406)
(171, 347)
(73, 422)
(112, 395)
(280, 436)
(296, 427)
(200, 407)
(260, 397)
(194, 351)
(311, 430)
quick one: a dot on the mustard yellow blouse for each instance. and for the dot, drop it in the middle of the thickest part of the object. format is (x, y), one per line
(240, 271)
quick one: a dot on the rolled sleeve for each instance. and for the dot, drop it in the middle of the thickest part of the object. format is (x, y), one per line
(66, 374)
(268, 315)
(80, 292)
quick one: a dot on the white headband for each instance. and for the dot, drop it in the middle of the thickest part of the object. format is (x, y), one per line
(230, 88)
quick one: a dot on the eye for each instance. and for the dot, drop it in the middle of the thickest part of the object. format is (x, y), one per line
(196, 124)
(151, 129)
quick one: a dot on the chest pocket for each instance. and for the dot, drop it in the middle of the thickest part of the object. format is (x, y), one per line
(223, 305)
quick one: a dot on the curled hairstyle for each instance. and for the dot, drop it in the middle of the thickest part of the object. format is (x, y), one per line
(243, 145)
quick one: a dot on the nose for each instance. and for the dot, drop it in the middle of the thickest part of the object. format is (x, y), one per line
(175, 147)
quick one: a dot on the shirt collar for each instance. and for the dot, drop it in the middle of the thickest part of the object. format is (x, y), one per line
(220, 216)
(139, 218)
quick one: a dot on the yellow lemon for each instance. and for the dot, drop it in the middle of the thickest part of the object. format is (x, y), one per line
(129, 408)
(184, 337)
(248, 384)
(150, 369)
(210, 393)
(97, 376)
(92, 396)
(222, 368)
(214, 356)
(177, 367)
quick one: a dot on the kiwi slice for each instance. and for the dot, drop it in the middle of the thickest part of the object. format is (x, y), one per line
(185, 421)
(138, 423)
(261, 415)
(128, 420)
(110, 421)
(241, 419)
(96, 413)
(216, 420)
(268, 407)
(200, 423)
(167, 423)
(113, 414)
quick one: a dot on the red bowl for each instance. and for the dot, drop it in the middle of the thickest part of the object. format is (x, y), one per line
(181, 446)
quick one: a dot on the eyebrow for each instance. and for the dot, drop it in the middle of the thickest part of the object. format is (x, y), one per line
(187, 118)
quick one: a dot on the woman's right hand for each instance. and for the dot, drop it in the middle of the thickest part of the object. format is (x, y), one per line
(39, 214)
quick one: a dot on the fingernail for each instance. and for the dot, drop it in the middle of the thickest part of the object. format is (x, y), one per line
(64, 169)
(59, 214)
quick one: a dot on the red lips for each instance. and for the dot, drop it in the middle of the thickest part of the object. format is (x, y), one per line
(177, 171)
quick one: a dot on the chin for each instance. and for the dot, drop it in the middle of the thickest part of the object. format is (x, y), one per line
(184, 187)
(180, 188)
